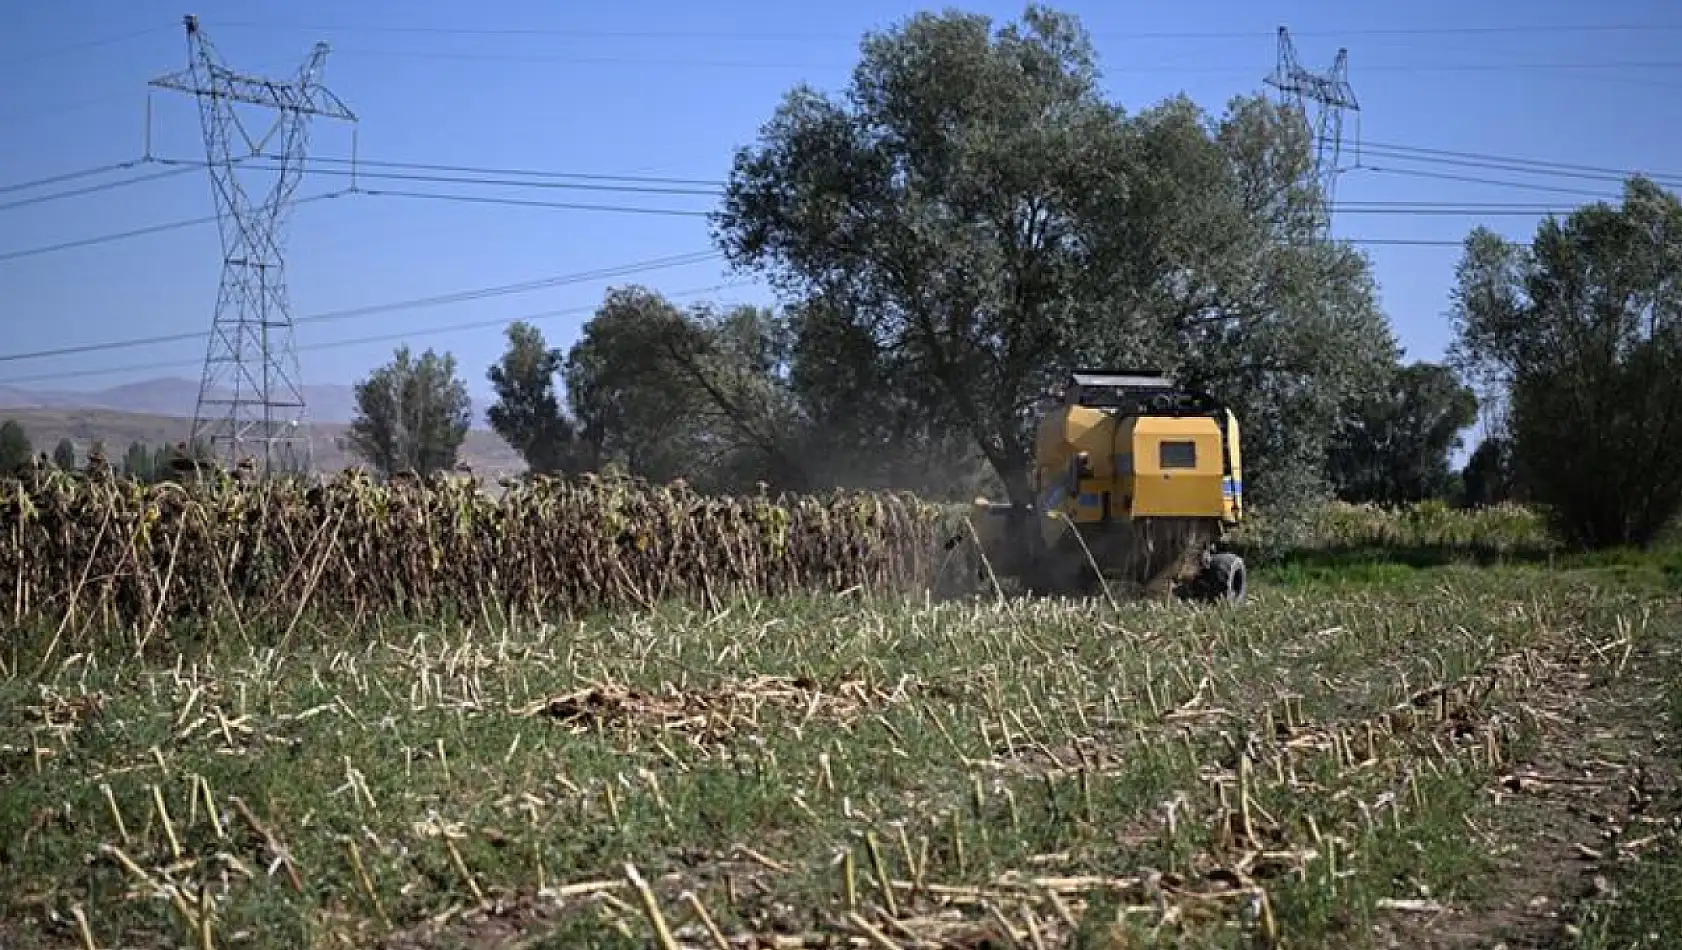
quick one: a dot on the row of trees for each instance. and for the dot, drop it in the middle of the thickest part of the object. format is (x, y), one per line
(971, 219)
(140, 461)
(666, 393)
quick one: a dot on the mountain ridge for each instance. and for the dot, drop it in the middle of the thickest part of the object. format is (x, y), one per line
(156, 411)
(169, 396)
(46, 426)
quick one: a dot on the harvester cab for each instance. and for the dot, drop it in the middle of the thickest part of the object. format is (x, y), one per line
(1136, 481)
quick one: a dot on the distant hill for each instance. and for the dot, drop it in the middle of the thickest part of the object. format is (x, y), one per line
(485, 451)
(172, 396)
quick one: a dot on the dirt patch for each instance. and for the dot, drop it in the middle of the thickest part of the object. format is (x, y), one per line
(1600, 788)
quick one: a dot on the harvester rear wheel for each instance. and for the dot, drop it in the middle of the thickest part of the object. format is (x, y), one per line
(1224, 579)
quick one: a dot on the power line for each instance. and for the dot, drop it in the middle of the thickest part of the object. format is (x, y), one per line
(698, 187)
(528, 173)
(360, 341)
(504, 321)
(574, 206)
(543, 283)
(117, 236)
(139, 232)
(565, 180)
(1402, 242)
(182, 167)
(1154, 68)
(94, 189)
(1458, 206)
(663, 212)
(659, 263)
(717, 189)
(1493, 182)
(480, 175)
(211, 219)
(632, 185)
(1399, 209)
(583, 181)
(90, 44)
(531, 203)
(60, 108)
(1485, 156)
(1412, 153)
(549, 180)
(1503, 163)
(784, 35)
(1450, 210)
(471, 199)
(69, 176)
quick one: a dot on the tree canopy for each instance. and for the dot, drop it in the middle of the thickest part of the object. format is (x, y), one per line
(971, 220)
(700, 394)
(64, 454)
(527, 412)
(15, 450)
(412, 415)
(1395, 443)
(1489, 478)
(1582, 328)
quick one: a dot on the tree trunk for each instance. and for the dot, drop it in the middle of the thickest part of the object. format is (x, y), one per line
(1019, 484)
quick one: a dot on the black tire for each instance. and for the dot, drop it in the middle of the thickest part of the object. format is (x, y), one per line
(1225, 579)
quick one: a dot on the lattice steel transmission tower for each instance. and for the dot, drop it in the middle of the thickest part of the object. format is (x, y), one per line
(251, 392)
(1331, 93)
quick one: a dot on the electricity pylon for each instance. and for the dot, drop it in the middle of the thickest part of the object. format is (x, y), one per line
(1331, 92)
(251, 390)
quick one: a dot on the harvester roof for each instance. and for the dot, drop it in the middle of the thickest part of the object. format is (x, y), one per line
(1120, 379)
(1136, 390)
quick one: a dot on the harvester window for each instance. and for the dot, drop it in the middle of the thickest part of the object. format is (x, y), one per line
(1177, 454)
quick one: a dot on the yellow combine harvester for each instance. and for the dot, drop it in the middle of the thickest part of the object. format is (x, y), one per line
(1134, 475)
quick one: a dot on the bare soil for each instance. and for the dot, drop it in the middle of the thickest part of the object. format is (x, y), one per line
(1601, 789)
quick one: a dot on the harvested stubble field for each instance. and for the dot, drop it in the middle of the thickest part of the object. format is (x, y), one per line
(1452, 758)
(1443, 763)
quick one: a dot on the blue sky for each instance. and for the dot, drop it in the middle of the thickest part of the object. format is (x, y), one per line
(669, 90)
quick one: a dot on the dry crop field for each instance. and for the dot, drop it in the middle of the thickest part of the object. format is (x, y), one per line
(1446, 757)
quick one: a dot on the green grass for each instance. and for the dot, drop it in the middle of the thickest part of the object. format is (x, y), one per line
(1423, 530)
(739, 756)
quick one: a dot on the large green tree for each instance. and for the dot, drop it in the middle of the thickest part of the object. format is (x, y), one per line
(527, 412)
(727, 397)
(874, 420)
(1582, 329)
(15, 450)
(411, 414)
(1396, 442)
(978, 220)
(698, 394)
